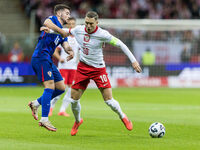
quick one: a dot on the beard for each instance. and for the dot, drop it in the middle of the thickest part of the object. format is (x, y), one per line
(63, 20)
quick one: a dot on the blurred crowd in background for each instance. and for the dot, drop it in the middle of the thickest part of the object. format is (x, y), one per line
(132, 9)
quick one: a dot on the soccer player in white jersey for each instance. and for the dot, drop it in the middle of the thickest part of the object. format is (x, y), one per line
(67, 69)
(90, 38)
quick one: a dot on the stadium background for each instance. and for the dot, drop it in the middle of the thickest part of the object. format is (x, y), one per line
(170, 67)
(177, 108)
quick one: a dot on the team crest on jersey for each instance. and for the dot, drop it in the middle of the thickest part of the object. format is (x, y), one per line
(86, 38)
(49, 73)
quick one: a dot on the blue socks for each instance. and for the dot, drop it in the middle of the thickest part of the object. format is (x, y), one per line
(55, 93)
(45, 101)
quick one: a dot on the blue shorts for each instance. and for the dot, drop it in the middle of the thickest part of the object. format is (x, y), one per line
(45, 70)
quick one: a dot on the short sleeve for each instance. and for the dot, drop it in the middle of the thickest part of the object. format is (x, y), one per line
(52, 18)
(64, 40)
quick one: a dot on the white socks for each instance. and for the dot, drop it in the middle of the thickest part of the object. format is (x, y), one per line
(35, 103)
(114, 105)
(53, 101)
(76, 109)
(44, 119)
(66, 101)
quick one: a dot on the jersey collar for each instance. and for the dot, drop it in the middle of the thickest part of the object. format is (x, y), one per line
(93, 31)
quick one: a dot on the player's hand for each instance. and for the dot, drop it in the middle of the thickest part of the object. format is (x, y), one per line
(70, 53)
(62, 60)
(45, 29)
(64, 34)
(136, 66)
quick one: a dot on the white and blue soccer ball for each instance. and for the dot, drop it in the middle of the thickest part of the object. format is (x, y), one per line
(156, 130)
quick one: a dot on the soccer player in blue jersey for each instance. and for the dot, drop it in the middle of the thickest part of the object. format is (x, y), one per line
(43, 66)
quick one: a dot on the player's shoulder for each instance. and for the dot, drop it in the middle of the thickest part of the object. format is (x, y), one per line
(52, 17)
(79, 27)
(102, 32)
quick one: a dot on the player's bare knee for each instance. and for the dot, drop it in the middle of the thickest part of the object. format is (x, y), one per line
(107, 98)
(49, 84)
(60, 85)
(62, 88)
(76, 94)
(106, 93)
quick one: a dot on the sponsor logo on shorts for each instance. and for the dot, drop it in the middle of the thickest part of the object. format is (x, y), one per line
(105, 84)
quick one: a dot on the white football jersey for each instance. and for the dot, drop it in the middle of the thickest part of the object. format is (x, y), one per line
(72, 64)
(91, 51)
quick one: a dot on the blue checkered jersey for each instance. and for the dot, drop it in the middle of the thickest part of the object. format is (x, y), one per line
(48, 42)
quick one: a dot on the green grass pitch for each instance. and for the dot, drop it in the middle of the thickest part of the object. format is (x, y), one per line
(177, 109)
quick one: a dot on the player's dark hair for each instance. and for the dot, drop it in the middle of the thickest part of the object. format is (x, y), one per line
(92, 14)
(72, 18)
(60, 7)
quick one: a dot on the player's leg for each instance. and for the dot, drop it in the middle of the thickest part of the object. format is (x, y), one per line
(65, 103)
(46, 99)
(111, 102)
(59, 83)
(103, 83)
(81, 81)
(76, 109)
(59, 88)
(44, 73)
(53, 103)
(75, 103)
(45, 102)
(68, 76)
(114, 105)
(47, 74)
(34, 105)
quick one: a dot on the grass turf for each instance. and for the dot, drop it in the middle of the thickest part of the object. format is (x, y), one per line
(177, 109)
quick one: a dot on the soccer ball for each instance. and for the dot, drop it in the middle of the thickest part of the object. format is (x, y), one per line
(156, 130)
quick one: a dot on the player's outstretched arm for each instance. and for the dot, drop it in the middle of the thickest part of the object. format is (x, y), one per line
(68, 50)
(48, 23)
(47, 30)
(117, 42)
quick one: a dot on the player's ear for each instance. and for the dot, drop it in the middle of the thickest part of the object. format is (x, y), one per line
(58, 13)
(97, 22)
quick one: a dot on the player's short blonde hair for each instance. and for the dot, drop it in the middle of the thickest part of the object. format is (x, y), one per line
(92, 14)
